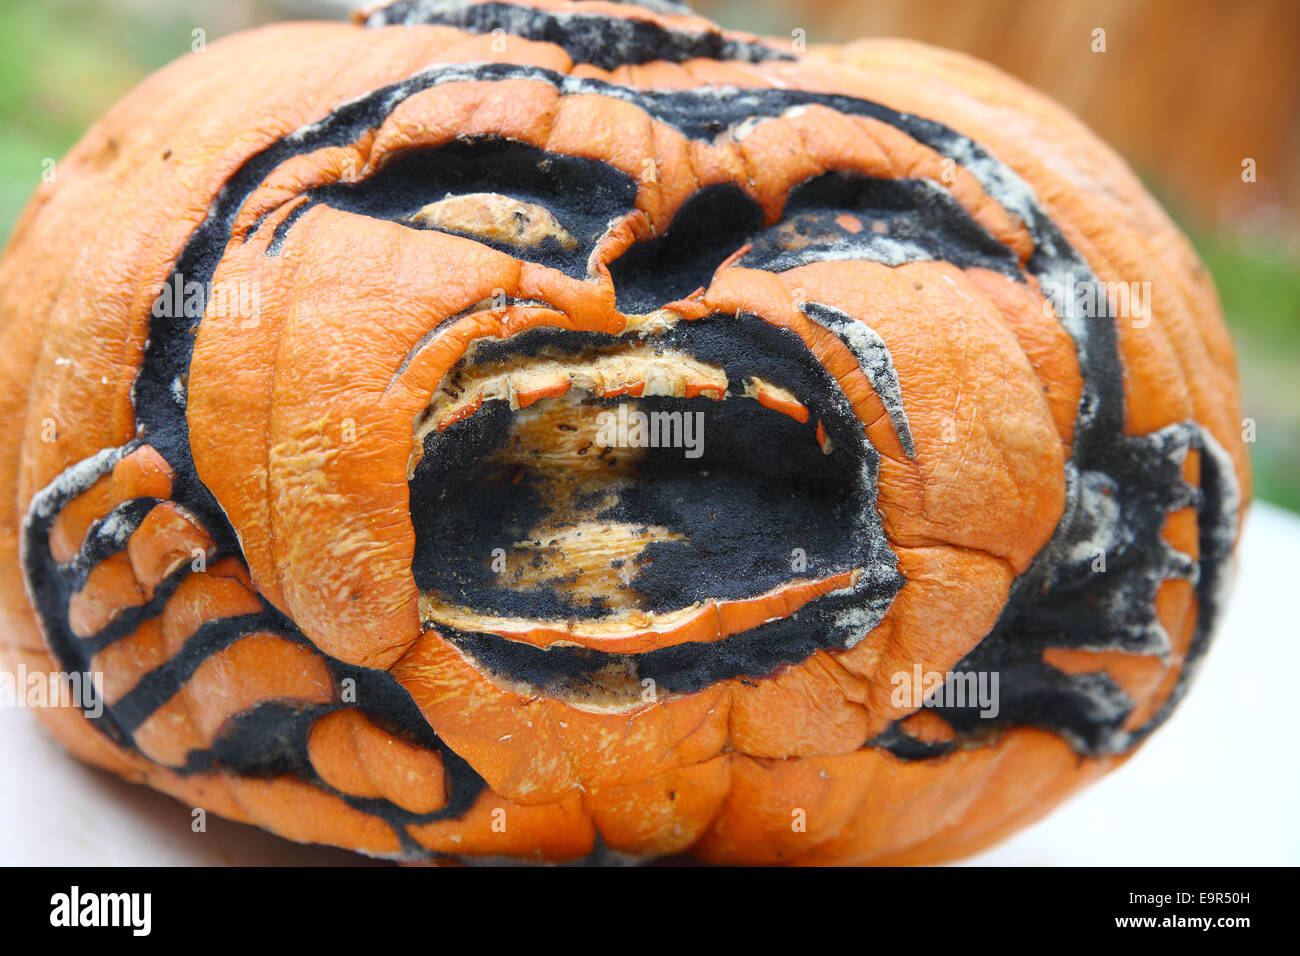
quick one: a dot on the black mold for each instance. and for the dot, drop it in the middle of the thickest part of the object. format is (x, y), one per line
(606, 42)
(761, 487)
(1062, 602)
(903, 220)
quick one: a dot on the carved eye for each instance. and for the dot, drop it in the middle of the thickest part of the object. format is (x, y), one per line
(541, 207)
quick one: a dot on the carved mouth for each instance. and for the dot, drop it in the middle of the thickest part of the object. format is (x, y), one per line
(681, 483)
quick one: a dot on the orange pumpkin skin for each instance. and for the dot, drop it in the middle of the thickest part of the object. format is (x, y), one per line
(239, 516)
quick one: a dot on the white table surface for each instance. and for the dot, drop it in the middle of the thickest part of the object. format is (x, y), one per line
(1219, 784)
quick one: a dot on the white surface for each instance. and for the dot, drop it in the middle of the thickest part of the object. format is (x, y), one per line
(1218, 784)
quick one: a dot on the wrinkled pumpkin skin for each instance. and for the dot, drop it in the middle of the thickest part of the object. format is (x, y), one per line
(271, 602)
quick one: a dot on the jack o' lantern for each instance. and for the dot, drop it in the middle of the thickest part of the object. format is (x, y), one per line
(557, 430)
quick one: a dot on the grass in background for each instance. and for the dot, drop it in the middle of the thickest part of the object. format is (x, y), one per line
(1260, 290)
(63, 63)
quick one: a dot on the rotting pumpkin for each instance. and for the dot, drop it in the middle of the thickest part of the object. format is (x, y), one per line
(343, 541)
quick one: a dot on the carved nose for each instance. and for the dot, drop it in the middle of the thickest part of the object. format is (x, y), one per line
(706, 231)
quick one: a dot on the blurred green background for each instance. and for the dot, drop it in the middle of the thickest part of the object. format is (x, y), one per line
(64, 62)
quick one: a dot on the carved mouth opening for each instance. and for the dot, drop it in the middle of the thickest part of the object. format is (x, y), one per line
(607, 491)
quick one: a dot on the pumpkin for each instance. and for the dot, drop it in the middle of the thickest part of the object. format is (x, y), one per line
(568, 431)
